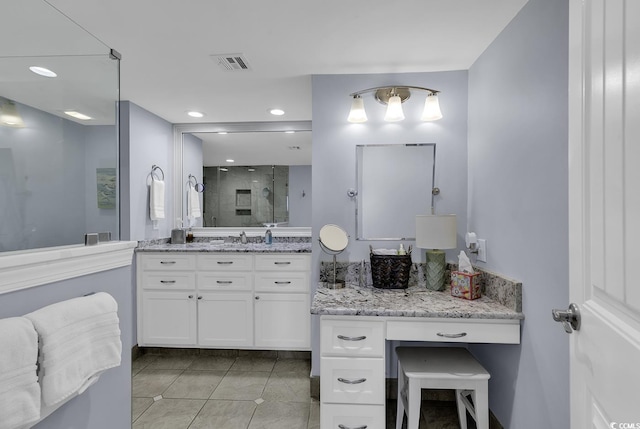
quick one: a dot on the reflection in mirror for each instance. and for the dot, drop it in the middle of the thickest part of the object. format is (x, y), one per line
(391, 194)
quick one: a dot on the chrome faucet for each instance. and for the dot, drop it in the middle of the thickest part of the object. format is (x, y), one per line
(243, 237)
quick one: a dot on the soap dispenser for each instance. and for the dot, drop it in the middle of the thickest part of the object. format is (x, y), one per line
(268, 237)
(401, 250)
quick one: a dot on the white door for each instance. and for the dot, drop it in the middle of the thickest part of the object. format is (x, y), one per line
(604, 210)
(283, 320)
(168, 318)
(225, 319)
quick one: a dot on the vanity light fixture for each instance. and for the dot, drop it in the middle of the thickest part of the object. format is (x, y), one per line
(42, 71)
(393, 97)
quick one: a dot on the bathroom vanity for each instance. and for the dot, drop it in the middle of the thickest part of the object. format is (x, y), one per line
(232, 295)
(355, 323)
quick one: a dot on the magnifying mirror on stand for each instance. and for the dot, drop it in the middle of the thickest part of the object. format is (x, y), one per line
(333, 241)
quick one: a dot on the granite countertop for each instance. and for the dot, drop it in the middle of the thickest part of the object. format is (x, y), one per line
(412, 302)
(227, 247)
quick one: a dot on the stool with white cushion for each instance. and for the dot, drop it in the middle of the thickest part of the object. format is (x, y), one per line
(442, 368)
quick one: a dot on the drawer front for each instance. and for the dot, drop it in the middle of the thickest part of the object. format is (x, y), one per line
(496, 331)
(227, 280)
(160, 280)
(352, 381)
(351, 338)
(337, 416)
(283, 262)
(282, 282)
(225, 262)
(169, 261)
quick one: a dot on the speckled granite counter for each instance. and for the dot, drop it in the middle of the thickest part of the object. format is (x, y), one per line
(227, 247)
(411, 302)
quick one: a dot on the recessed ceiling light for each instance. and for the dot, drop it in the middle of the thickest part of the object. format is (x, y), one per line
(251, 169)
(289, 132)
(195, 114)
(43, 71)
(277, 112)
(77, 115)
(222, 132)
(230, 160)
(224, 169)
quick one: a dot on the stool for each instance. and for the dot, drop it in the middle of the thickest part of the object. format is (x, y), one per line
(442, 368)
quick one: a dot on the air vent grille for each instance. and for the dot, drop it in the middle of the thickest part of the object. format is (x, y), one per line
(231, 62)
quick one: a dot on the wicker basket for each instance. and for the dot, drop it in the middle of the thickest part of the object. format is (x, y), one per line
(390, 271)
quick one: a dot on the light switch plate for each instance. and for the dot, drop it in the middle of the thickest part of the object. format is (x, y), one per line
(482, 250)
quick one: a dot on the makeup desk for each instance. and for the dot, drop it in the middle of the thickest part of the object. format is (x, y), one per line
(356, 321)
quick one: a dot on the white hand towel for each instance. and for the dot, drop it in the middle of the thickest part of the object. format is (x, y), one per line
(79, 339)
(19, 388)
(156, 199)
(193, 203)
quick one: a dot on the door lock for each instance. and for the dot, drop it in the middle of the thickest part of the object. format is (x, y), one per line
(569, 318)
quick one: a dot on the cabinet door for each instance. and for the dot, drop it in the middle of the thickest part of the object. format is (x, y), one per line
(282, 320)
(225, 319)
(168, 318)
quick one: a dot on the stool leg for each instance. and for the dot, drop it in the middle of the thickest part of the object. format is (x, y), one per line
(481, 401)
(414, 398)
(400, 408)
(462, 409)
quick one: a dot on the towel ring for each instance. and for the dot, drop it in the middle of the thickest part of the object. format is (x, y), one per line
(195, 183)
(153, 170)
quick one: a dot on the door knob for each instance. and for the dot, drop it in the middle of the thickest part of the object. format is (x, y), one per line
(569, 318)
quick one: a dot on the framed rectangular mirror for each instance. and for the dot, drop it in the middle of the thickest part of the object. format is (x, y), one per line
(395, 183)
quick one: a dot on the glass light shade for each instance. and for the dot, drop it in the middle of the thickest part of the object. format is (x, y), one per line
(436, 231)
(357, 113)
(431, 110)
(394, 110)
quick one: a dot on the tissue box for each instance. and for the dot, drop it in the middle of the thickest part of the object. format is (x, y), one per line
(465, 285)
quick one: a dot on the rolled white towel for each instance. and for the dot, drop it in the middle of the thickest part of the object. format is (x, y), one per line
(19, 388)
(156, 199)
(386, 252)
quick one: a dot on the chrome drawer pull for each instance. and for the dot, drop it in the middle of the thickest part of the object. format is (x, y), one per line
(225, 262)
(460, 335)
(349, 427)
(167, 262)
(283, 263)
(224, 282)
(345, 381)
(282, 283)
(342, 337)
(167, 281)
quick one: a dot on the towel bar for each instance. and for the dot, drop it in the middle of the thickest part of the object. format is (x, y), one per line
(153, 170)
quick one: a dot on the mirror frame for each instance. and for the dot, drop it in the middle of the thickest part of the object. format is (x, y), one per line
(230, 127)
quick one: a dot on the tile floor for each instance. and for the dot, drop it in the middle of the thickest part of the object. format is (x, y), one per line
(239, 392)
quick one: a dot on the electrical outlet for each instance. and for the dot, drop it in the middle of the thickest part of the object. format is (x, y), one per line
(482, 250)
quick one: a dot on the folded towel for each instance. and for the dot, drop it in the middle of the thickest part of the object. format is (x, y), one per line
(386, 252)
(156, 199)
(79, 339)
(193, 203)
(19, 388)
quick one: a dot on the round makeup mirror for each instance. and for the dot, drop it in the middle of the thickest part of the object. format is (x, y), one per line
(333, 240)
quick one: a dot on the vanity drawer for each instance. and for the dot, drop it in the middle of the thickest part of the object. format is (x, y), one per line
(505, 331)
(338, 416)
(168, 280)
(282, 282)
(352, 381)
(283, 262)
(227, 280)
(168, 261)
(351, 338)
(225, 262)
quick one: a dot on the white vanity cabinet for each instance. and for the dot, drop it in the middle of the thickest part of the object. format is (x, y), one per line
(224, 300)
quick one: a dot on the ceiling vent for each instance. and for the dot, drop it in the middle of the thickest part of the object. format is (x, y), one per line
(231, 62)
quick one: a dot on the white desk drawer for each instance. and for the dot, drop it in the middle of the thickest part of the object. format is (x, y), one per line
(168, 261)
(168, 280)
(351, 338)
(225, 262)
(226, 280)
(283, 262)
(337, 416)
(297, 281)
(352, 381)
(505, 331)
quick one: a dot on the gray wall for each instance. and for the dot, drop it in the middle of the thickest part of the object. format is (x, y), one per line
(107, 404)
(145, 140)
(518, 202)
(300, 206)
(334, 155)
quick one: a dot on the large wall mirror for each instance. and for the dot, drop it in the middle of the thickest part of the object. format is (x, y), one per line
(253, 174)
(395, 183)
